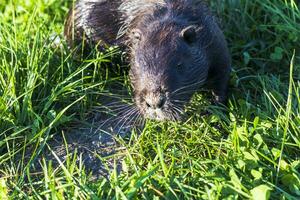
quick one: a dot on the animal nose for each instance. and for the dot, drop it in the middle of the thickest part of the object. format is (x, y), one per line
(156, 103)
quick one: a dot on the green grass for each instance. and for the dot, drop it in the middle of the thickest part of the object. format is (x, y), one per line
(251, 153)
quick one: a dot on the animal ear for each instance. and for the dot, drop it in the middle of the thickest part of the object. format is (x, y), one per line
(136, 36)
(189, 34)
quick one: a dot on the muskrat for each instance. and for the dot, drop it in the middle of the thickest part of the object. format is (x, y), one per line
(175, 47)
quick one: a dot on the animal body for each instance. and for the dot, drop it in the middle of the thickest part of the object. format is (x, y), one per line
(175, 47)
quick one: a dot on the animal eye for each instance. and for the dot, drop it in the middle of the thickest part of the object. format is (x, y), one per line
(180, 65)
(189, 34)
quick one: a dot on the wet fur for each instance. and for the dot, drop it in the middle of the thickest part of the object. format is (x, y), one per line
(207, 60)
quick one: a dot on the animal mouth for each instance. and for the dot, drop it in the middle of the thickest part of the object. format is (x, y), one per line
(160, 106)
(156, 114)
(169, 112)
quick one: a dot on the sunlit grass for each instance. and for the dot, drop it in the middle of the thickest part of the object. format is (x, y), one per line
(251, 149)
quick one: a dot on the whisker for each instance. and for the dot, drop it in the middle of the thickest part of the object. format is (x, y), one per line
(114, 117)
(137, 118)
(124, 115)
(178, 109)
(191, 91)
(127, 117)
(120, 108)
(179, 101)
(116, 103)
(111, 109)
(187, 86)
(141, 120)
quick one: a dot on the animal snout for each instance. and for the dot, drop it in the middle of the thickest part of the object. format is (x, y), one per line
(155, 100)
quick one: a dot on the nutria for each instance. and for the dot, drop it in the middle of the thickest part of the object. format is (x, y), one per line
(175, 48)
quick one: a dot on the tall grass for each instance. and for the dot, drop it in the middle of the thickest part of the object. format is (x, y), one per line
(253, 152)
